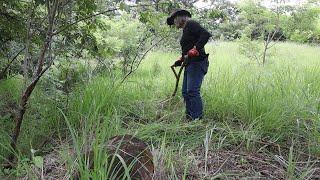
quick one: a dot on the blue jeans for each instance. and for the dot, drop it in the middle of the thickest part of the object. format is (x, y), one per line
(192, 80)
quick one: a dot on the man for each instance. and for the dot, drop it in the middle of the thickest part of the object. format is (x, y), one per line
(194, 58)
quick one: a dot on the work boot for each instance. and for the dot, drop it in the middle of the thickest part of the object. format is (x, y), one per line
(189, 118)
(198, 119)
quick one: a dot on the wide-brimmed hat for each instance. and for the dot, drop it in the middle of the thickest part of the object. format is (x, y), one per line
(178, 12)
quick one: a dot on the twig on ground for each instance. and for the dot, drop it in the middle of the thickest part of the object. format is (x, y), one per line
(232, 153)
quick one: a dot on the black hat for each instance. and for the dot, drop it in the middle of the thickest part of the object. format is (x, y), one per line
(178, 12)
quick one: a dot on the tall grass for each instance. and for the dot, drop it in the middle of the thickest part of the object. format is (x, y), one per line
(247, 102)
(243, 102)
(278, 102)
(270, 98)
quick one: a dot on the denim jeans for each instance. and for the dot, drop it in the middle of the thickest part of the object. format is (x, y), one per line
(192, 80)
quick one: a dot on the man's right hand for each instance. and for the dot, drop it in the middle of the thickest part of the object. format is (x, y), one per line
(178, 63)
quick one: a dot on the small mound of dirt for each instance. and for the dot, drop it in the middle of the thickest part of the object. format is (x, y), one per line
(131, 150)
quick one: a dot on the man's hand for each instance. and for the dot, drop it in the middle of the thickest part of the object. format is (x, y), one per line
(178, 62)
(193, 52)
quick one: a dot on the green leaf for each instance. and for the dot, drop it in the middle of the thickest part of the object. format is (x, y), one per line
(38, 161)
(124, 7)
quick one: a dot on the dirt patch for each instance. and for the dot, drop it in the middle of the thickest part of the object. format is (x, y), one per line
(226, 164)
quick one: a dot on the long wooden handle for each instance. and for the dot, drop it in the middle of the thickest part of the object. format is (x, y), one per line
(174, 71)
(177, 79)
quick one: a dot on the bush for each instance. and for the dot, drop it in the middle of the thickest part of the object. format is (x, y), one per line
(301, 36)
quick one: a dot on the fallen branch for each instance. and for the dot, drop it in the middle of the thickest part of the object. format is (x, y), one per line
(225, 161)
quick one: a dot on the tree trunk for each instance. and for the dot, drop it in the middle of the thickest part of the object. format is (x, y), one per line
(37, 75)
(264, 55)
(27, 55)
